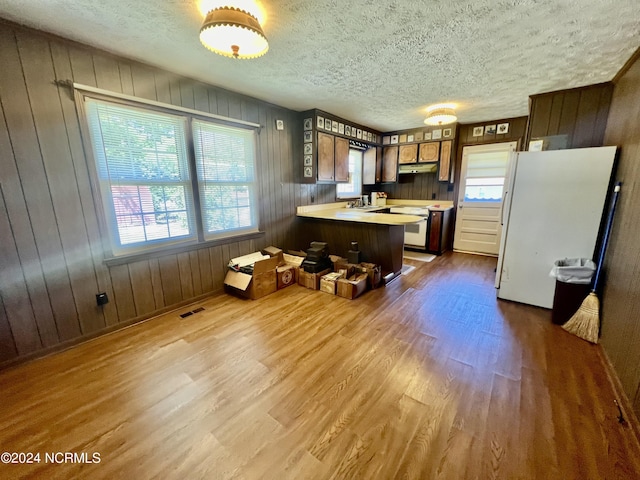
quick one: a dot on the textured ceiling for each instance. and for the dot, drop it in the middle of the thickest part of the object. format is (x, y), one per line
(376, 62)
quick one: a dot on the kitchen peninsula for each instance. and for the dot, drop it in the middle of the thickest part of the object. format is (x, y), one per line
(380, 236)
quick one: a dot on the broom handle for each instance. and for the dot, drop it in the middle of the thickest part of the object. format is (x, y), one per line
(607, 232)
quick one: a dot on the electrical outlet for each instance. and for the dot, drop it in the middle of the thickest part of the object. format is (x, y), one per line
(102, 299)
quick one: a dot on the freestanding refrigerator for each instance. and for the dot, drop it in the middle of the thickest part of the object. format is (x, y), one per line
(552, 207)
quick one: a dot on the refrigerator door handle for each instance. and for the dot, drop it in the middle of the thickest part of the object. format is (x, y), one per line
(504, 200)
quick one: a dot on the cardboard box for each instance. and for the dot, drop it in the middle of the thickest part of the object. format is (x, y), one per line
(272, 251)
(374, 272)
(260, 283)
(285, 275)
(311, 280)
(349, 269)
(295, 261)
(329, 281)
(353, 287)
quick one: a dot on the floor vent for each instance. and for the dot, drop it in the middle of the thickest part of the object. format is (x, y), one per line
(187, 314)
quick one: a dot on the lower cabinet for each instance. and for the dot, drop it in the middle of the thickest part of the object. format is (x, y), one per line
(439, 234)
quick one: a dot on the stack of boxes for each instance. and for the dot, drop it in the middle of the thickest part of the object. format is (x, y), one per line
(261, 273)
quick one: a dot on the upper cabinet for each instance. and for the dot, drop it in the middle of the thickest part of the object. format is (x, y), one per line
(429, 152)
(372, 166)
(341, 159)
(390, 164)
(326, 141)
(408, 153)
(445, 161)
(326, 155)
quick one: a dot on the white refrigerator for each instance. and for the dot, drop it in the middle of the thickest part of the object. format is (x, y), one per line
(552, 206)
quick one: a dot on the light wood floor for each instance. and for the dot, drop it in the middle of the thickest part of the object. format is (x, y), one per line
(430, 377)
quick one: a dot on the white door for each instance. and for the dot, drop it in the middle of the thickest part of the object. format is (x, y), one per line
(478, 223)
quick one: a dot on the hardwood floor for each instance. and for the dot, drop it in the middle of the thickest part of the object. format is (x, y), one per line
(430, 377)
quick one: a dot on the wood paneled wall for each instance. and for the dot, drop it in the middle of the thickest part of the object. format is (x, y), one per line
(418, 186)
(51, 246)
(579, 113)
(621, 295)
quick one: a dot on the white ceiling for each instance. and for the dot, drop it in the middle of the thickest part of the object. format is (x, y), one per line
(376, 62)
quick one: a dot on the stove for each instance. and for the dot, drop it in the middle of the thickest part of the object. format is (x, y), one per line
(415, 234)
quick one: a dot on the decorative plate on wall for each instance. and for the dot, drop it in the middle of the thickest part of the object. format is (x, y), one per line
(308, 123)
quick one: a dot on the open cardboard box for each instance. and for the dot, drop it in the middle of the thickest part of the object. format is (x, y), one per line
(260, 283)
(352, 287)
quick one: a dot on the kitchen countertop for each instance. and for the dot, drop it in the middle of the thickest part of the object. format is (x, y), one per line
(338, 211)
(431, 204)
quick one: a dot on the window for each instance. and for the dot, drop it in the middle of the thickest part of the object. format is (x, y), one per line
(226, 177)
(354, 187)
(145, 168)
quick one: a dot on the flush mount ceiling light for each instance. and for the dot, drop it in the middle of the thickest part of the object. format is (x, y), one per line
(233, 32)
(440, 115)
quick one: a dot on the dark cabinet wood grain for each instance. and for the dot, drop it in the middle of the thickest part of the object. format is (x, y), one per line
(341, 160)
(439, 235)
(326, 151)
(390, 164)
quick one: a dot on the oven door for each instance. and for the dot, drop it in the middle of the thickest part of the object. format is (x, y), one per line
(415, 234)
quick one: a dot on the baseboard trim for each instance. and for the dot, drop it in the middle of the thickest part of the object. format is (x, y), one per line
(625, 404)
(60, 347)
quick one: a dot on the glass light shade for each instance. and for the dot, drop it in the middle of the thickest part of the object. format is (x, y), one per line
(232, 32)
(440, 116)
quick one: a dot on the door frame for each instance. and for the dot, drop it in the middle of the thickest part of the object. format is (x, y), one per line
(512, 147)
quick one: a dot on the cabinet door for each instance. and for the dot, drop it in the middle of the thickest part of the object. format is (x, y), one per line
(445, 161)
(390, 164)
(435, 232)
(369, 176)
(408, 153)
(378, 164)
(341, 166)
(429, 152)
(325, 157)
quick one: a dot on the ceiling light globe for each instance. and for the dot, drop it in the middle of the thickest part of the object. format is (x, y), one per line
(233, 33)
(440, 116)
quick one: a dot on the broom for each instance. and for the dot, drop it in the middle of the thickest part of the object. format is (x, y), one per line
(585, 323)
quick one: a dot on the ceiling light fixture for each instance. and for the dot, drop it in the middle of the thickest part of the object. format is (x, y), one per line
(440, 115)
(233, 32)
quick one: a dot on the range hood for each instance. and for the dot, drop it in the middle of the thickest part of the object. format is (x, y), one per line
(418, 168)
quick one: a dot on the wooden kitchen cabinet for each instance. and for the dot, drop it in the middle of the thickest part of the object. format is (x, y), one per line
(372, 166)
(341, 159)
(326, 152)
(408, 153)
(390, 164)
(445, 161)
(439, 235)
(333, 158)
(429, 152)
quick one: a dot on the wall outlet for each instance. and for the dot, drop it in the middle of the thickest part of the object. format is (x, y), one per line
(102, 299)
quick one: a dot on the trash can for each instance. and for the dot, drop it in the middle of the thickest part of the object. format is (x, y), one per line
(573, 284)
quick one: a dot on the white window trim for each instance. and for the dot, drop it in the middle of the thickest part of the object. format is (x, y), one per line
(151, 249)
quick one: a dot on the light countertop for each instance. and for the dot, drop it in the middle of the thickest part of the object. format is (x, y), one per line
(435, 205)
(338, 211)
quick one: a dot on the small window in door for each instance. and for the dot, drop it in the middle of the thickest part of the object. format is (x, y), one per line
(486, 172)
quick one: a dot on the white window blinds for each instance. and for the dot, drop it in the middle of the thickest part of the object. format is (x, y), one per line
(225, 165)
(143, 172)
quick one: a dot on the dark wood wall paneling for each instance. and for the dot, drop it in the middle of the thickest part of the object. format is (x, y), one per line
(579, 113)
(621, 295)
(51, 250)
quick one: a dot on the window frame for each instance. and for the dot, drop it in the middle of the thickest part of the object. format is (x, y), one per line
(115, 254)
(352, 193)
